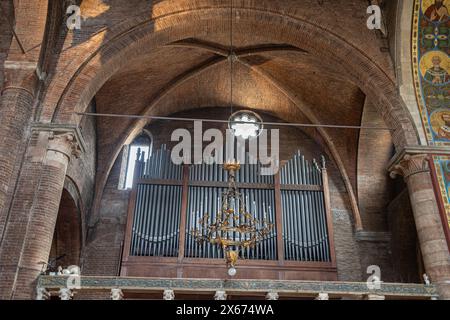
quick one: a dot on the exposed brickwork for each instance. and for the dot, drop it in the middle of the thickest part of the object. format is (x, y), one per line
(404, 241)
(5, 36)
(348, 263)
(430, 232)
(107, 232)
(124, 56)
(374, 152)
(66, 242)
(28, 235)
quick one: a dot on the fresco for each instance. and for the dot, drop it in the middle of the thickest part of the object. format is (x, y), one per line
(431, 65)
(431, 49)
(442, 165)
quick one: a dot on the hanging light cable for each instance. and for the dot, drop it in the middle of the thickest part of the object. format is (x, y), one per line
(231, 57)
(244, 124)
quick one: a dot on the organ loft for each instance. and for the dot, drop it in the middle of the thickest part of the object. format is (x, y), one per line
(224, 150)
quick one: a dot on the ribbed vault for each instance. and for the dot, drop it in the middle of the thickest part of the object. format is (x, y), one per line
(297, 65)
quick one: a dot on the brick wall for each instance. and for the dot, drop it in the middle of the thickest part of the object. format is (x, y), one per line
(404, 242)
(82, 171)
(5, 36)
(374, 185)
(106, 233)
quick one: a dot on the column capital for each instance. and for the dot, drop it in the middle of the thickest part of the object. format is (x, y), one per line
(409, 164)
(20, 75)
(64, 143)
(65, 139)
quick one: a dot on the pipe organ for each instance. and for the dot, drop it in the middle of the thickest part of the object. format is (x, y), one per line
(156, 224)
(305, 234)
(168, 201)
(208, 182)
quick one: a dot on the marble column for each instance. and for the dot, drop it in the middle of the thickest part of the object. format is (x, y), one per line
(415, 170)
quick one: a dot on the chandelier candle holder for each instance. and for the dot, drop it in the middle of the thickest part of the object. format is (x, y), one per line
(234, 228)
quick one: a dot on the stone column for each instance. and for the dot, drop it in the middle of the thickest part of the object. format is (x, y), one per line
(29, 233)
(415, 170)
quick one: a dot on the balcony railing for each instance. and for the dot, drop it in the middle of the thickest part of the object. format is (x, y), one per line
(117, 288)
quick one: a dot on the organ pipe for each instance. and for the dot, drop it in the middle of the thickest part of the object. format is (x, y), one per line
(155, 229)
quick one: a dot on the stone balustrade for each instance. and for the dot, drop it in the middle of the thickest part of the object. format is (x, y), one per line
(119, 287)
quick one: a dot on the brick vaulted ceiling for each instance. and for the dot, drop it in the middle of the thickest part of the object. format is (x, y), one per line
(186, 77)
(285, 81)
(259, 85)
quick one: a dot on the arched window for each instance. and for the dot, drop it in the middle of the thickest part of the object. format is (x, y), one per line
(143, 145)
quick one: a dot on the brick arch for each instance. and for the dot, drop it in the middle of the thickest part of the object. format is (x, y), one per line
(67, 243)
(92, 74)
(113, 55)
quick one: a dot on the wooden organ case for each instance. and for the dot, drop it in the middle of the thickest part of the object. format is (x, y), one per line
(167, 202)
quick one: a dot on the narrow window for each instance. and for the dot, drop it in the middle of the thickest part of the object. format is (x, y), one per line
(143, 144)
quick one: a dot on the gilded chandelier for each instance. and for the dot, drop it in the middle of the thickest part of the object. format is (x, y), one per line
(234, 227)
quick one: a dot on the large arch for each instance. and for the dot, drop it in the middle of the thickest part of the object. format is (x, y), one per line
(67, 241)
(73, 90)
(90, 75)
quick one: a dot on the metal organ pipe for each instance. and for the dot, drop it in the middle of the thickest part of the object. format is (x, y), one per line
(316, 214)
(155, 229)
(318, 179)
